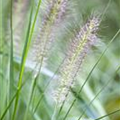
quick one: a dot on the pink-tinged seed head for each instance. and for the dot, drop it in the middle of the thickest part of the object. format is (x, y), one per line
(79, 48)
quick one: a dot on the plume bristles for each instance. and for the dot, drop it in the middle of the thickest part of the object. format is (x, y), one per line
(79, 48)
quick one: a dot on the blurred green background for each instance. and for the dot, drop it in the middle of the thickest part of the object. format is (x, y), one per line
(78, 12)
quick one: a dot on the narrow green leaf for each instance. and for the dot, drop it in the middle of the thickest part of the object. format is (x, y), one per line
(9, 105)
(11, 46)
(100, 91)
(1, 56)
(24, 56)
(25, 53)
(12, 98)
(116, 111)
(42, 95)
(11, 70)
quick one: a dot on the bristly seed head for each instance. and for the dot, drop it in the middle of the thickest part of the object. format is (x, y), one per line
(54, 13)
(78, 49)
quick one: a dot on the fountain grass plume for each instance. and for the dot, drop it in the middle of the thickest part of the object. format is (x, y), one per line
(79, 48)
(55, 10)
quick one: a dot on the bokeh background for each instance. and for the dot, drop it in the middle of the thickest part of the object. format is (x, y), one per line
(78, 12)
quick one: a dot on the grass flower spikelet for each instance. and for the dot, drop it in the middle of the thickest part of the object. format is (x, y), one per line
(54, 12)
(78, 49)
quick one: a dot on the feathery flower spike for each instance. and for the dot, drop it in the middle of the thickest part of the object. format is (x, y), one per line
(54, 13)
(79, 47)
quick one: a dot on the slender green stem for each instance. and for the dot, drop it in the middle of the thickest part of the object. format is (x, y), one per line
(25, 52)
(111, 113)
(39, 101)
(100, 91)
(1, 57)
(63, 104)
(11, 72)
(11, 45)
(7, 108)
(32, 89)
(11, 101)
(54, 116)
(106, 8)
